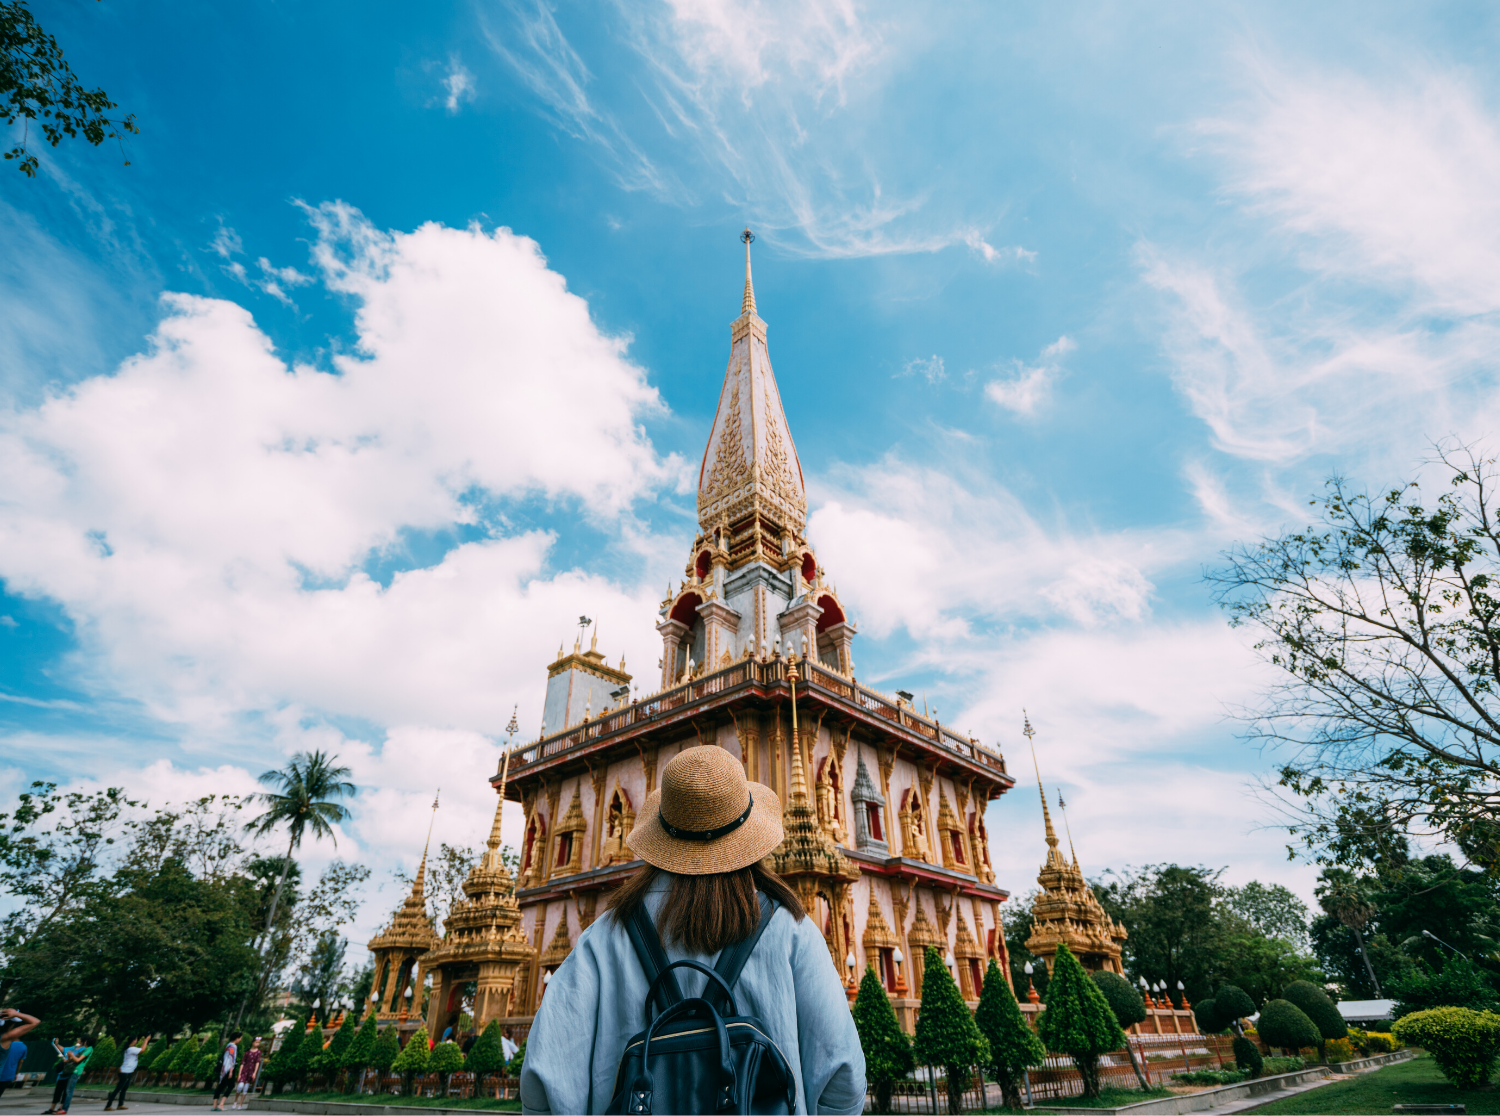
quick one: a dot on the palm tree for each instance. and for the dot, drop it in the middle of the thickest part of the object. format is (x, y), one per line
(301, 802)
(1340, 895)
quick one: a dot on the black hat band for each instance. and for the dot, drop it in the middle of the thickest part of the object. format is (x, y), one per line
(705, 834)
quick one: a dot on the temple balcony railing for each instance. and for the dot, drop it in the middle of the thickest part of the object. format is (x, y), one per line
(765, 676)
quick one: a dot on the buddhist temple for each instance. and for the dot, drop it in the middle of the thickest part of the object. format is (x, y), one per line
(883, 805)
(1066, 909)
(398, 950)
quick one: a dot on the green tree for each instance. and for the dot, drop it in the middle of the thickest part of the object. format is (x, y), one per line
(357, 1057)
(185, 1061)
(1316, 1005)
(1016, 918)
(305, 1055)
(1174, 929)
(1078, 1021)
(301, 799)
(413, 1057)
(106, 1053)
(1282, 1023)
(487, 1055)
(888, 1055)
(1208, 1017)
(387, 1048)
(1259, 965)
(36, 84)
(332, 1058)
(1383, 619)
(1458, 984)
(1272, 910)
(1129, 1009)
(278, 1065)
(518, 1059)
(445, 1059)
(208, 1063)
(1247, 1056)
(1341, 897)
(946, 1034)
(1013, 1044)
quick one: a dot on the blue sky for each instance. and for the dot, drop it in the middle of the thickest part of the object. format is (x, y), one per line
(395, 348)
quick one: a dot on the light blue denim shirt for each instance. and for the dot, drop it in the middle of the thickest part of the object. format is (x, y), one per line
(596, 1000)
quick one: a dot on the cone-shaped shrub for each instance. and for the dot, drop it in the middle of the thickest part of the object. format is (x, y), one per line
(413, 1056)
(887, 1050)
(387, 1048)
(185, 1060)
(1129, 1009)
(332, 1059)
(1316, 1005)
(513, 1067)
(946, 1034)
(208, 1061)
(1013, 1044)
(276, 1065)
(356, 1058)
(309, 1046)
(1247, 1056)
(106, 1054)
(1078, 1021)
(446, 1058)
(1282, 1023)
(486, 1055)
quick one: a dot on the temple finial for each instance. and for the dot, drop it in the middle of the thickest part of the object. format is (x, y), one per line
(421, 881)
(1068, 829)
(747, 304)
(1052, 842)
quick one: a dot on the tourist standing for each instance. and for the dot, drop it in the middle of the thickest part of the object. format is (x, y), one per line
(13, 1024)
(132, 1058)
(508, 1045)
(702, 835)
(249, 1075)
(74, 1059)
(225, 1084)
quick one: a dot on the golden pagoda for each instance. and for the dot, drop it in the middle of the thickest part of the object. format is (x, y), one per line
(399, 948)
(483, 941)
(1066, 909)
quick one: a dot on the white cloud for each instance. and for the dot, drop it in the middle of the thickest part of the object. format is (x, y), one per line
(458, 85)
(204, 514)
(1028, 389)
(930, 369)
(990, 254)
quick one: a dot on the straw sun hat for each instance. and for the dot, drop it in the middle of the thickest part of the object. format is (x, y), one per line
(706, 817)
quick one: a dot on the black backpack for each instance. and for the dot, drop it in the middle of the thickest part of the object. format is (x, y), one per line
(691, 1058)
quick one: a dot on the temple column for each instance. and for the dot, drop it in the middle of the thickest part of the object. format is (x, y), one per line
(842, 635)
(672, 634)
(720, 622)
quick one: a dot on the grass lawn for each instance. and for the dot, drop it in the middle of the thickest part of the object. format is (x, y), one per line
(1108, 1098)
(1414, 1082)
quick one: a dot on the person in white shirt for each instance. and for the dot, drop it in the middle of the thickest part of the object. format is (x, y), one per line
(116, 1099)
(508, 1045)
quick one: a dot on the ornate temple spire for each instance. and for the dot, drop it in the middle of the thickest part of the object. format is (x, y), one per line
(1054, 855)
(750, 465)
(747, 304)
(419, 887)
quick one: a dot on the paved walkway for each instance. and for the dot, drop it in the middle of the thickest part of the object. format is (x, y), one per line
(38, 1100)
(1250, 1104)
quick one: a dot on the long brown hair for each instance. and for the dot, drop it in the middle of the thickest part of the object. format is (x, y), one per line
(703, 914)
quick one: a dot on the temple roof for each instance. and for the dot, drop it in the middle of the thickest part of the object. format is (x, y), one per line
(750, 463)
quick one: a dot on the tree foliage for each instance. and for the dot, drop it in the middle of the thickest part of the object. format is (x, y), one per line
(1282, 1023)
(1457, 984)
(887, 1048)
(37, 85)
(487, 1055)
(445, 1058)
(946, 1033)
(413, 1056)
(1247, 1056)
(1383, 617)
(1129, 1008)
(387, 1048)
(1078, 1021)
(1013, 1044)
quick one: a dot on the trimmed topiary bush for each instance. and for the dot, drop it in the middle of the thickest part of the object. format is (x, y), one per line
(1462, 1042)
(1129, 1009)
(1284, 1024)
(513, 1067)
(888, 1055)
(1290, 1063)
(106, 1054)
(1316, 1005)
(1206, 1014)
(1379, 1042)
(1247, 1056)
(356, 1058)
(276, 1065)
(486, 1055)
(1013, 1045)
(1078, 1021)
(445, 1059)
(946, 1033)
(1233, 1004)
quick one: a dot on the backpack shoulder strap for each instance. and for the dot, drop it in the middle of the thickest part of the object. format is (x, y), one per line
(733, 958)
(653, 959)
